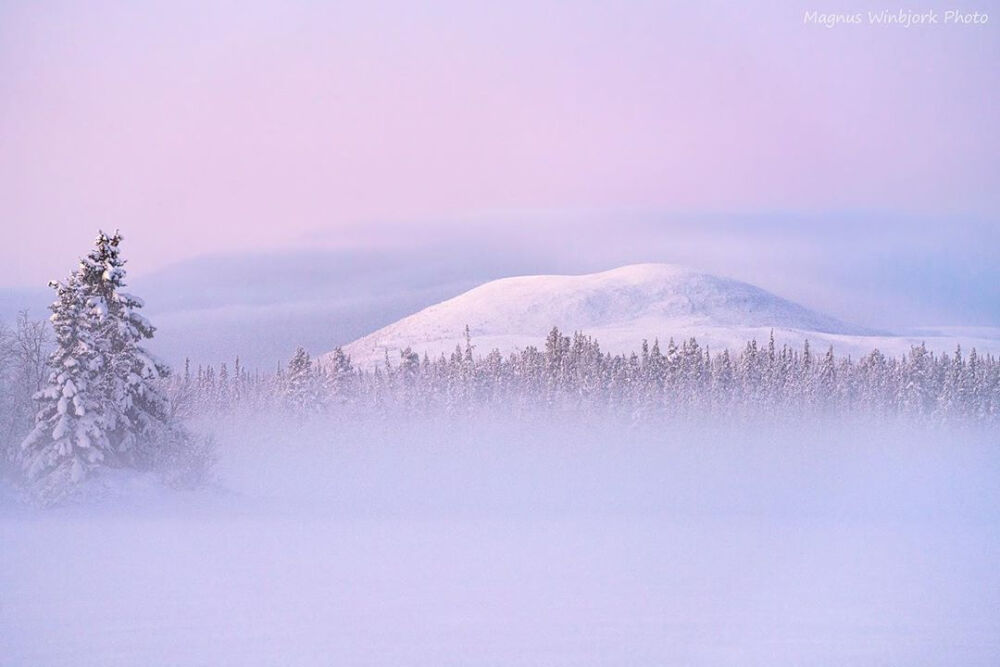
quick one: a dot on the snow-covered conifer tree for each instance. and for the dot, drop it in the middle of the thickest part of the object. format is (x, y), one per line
(339, 375)
(69, 438)
(917, 390)
(135, 406)
(301, 386)
(825, 382)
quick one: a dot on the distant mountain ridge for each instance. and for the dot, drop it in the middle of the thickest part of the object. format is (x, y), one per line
(621, 308)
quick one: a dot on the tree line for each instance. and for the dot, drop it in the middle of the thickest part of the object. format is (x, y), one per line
(655, 382)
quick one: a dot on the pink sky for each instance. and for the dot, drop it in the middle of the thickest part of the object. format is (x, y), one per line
(202, 127)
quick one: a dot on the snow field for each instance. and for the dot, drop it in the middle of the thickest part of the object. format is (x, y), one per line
(524, 544)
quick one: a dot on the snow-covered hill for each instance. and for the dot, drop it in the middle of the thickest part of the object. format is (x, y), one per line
(622, 307)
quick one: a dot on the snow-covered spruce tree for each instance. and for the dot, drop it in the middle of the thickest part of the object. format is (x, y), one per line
(301, 385)
(135, 406)
(338, 376)
(105, 403)
(69, 438)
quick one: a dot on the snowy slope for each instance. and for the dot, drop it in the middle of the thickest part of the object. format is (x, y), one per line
(622, 307)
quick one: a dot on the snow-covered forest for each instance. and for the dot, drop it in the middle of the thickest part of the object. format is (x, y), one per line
(306, 509)
(82, 393)
(653, 383)
(676, 503)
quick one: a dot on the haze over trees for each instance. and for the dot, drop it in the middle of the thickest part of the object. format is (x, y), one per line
(572, 374)
(83, 394)
(23, 351)
(444, 483)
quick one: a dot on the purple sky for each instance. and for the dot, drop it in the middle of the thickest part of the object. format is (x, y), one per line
(206, 127)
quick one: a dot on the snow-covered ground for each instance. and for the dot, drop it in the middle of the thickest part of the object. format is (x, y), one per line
(524, 544)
